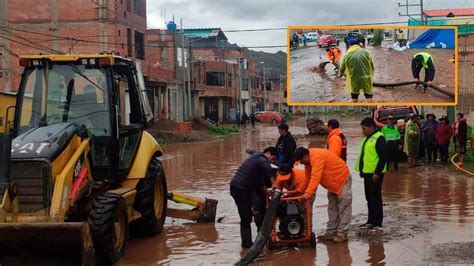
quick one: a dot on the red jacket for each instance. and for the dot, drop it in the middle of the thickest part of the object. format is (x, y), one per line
(443, 134)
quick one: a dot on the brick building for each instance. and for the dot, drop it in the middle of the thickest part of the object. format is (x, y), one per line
(60, 26)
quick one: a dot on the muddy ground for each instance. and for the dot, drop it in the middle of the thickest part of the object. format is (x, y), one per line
(429, 211)
(308, 84)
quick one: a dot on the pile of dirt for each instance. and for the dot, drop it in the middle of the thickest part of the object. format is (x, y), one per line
(316, 127)
(397, 225)
(163, 136)
(454, 252)
(165, 124)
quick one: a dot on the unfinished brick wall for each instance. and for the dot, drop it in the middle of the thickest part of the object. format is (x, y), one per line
(100, 25)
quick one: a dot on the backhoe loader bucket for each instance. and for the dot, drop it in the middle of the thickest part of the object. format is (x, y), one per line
(46, 244)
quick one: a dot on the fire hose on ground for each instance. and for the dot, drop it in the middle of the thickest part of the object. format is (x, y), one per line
(404, 83)
(459, 167)
(265, 231)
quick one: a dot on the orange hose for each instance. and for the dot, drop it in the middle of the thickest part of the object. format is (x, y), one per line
(459, 167)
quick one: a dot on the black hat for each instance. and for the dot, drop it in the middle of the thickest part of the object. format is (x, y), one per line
(286, 168)
(431, 114)
(299, 153)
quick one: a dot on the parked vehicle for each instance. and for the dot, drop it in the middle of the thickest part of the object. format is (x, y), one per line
(270, 117)
(381, 114)
(327, 40)
(312, 36)
(356, 34)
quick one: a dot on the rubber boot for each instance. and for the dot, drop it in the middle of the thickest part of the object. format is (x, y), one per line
(246, 235)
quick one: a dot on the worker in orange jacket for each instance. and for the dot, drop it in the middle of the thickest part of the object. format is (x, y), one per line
(324, 168)
(333, 54)
(336, 141)
(292, 179)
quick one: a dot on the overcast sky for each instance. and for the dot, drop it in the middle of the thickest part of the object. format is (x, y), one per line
(236, 15)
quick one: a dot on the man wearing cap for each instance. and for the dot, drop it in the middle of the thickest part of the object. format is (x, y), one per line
(429, 131)
(358, 67)
(252, 175)
(292, 179)
(372, 165)
(324, 168)
(336, 141)
(412, 140)
(423, 60)
(392, 136)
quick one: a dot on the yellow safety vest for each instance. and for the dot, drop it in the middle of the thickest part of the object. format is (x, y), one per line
(371, 158)
(426, 57)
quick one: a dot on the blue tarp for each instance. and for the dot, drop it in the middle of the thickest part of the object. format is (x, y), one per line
(436, 36)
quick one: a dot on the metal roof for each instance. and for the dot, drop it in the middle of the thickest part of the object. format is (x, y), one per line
(446, 12)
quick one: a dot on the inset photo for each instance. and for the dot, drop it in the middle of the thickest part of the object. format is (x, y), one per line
(329, 65)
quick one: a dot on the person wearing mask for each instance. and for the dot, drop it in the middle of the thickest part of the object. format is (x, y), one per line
(420, 61)
(460, 135)
(429, 131)
(372, 165)
(392, 136)
(336, 141)
(358, 67)
(412, 140)
(444, 132)
(324, 168)
(286, 144)
(253, 174)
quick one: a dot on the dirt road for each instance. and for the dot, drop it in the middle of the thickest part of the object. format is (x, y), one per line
(308, 85)
(429, 212)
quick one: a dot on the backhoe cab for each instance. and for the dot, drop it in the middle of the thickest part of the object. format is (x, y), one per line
(82, 170)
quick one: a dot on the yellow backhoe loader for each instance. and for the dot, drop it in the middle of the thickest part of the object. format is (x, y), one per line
(78, 172)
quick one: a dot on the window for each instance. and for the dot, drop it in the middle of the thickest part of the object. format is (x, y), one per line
(75, 94)
(164, 57)
(215, 78)
(229, 80)
(139, 45)
(245, 84)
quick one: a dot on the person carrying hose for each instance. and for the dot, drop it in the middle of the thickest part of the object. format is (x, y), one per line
(333, 54)
(358, 67)
(322, 167)
(423, 60)
(252, 175)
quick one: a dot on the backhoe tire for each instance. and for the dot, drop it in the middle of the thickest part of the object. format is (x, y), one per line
(108, 223)
(151, 201)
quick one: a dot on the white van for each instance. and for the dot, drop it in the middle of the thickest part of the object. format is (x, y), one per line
(312, 36)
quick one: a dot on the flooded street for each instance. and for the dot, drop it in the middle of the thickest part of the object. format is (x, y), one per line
(429, 212)
(310, 85)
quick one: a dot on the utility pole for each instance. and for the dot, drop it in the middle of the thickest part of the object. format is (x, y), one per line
(264, 90)
(184, 72)
(411, 15)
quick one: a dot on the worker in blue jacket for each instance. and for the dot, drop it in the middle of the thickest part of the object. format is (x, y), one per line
(254, 174)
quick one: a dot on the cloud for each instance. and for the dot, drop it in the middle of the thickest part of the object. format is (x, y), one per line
(231, 15)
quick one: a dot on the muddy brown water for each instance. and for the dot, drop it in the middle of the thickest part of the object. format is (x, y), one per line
(429, 211)
(308, 85)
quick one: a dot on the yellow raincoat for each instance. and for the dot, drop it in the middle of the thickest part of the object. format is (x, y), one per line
(358, 67)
